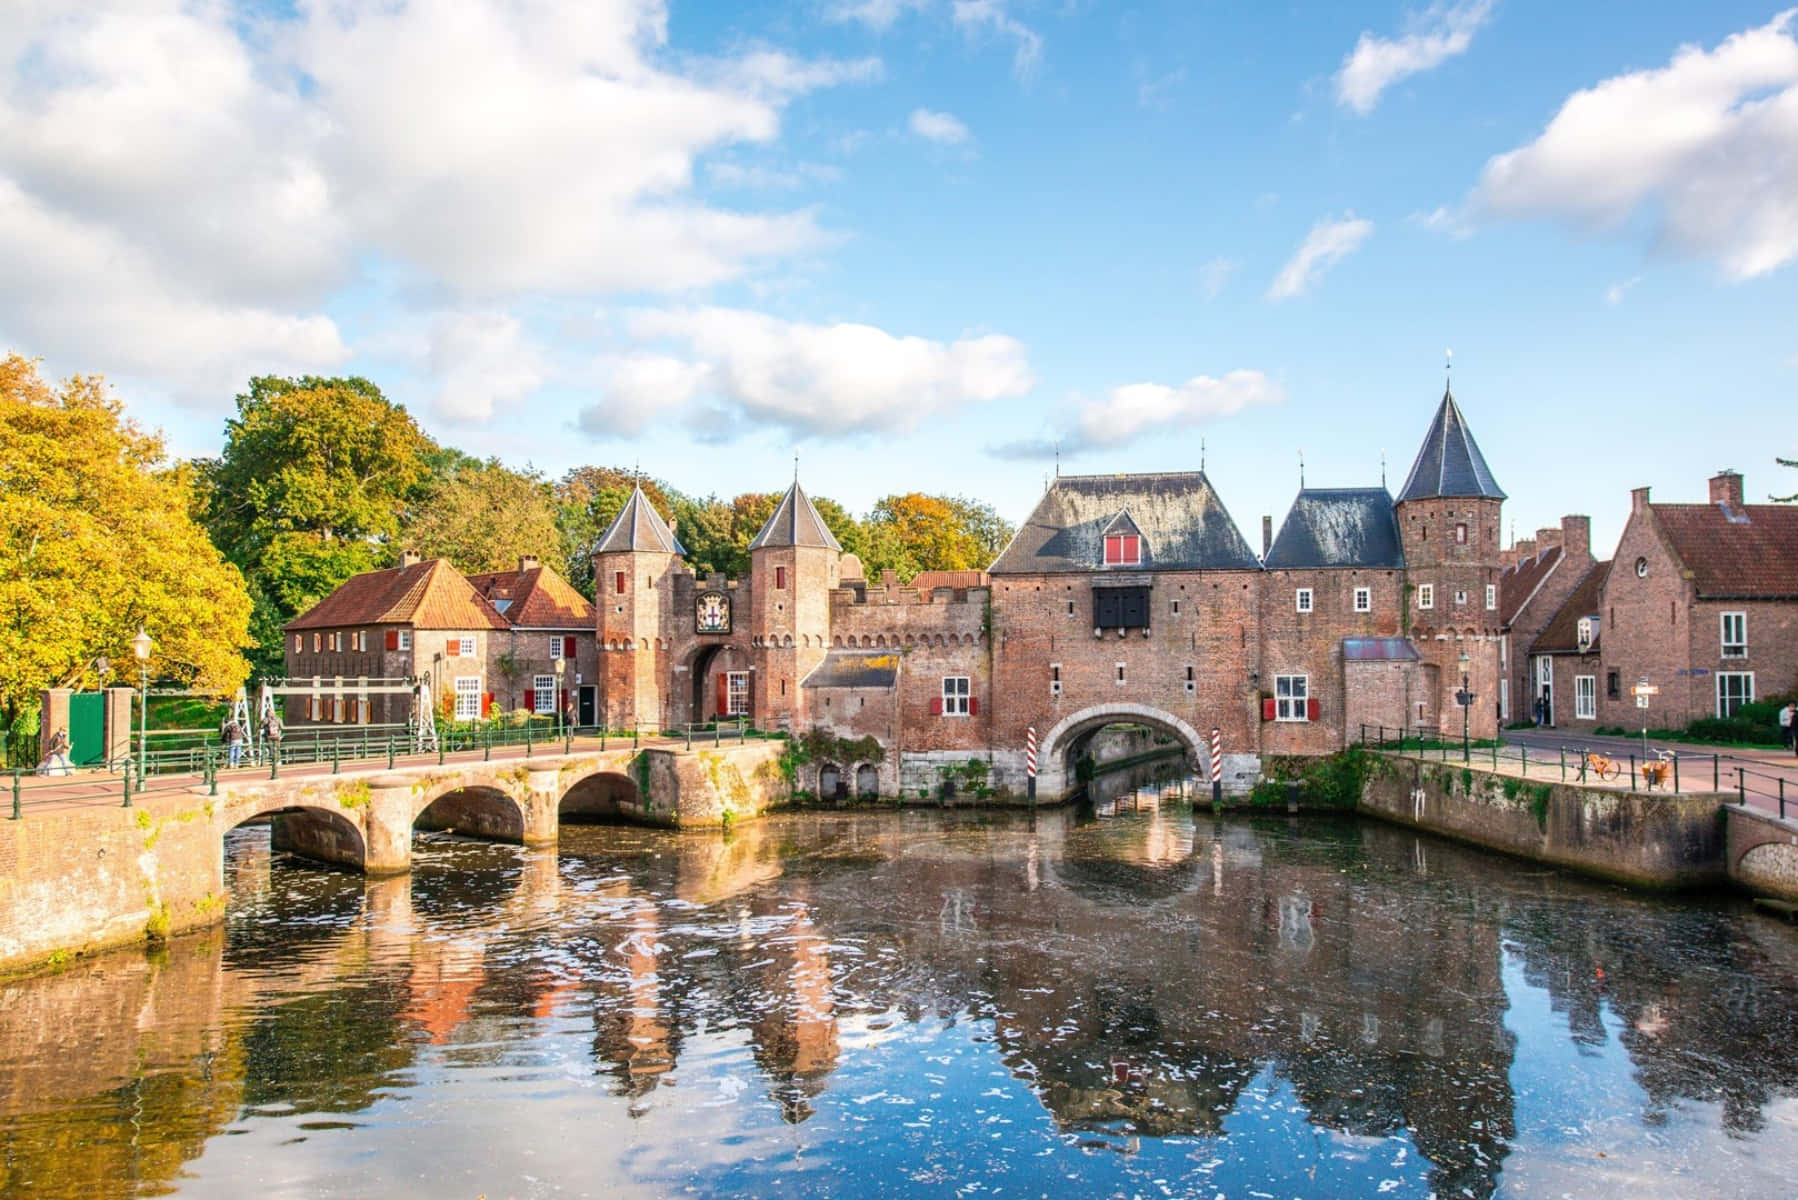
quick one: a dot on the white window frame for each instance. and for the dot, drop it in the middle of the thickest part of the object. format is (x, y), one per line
(1363, 599)
(1585, 697)
(1747, 696)
(957, 691)
(1426, 595)
(405, 642)
(1583, 631)
(1491, 596)
(555, 647)
(1292, 706)
(736, 693)
(1302, 600)
(1736, 647)
(468, 700)
(465, 647)
(543, 695)
(1121, 671)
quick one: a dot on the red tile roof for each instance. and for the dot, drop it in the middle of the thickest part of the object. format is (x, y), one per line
(1735, 553)
(535, 598)
(1561, 634)
(926, 580)
(426, 595)
(1519, 583)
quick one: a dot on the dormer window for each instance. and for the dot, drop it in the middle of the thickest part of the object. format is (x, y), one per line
(1123, 550)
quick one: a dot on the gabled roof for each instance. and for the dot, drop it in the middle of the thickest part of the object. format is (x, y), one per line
(1519, 583)
(855, 669)
(1561, 634)
(1450, 462)
(535, 598)
(1745, 553)
(1338, 527)
(794, 522)
(638, 526)
(1184, 525)
(426, 595)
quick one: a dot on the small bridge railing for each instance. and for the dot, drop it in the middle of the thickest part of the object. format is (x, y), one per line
(1659, 769)
(1763, 786)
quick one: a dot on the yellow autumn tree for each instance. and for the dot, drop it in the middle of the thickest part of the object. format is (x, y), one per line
(96, 540)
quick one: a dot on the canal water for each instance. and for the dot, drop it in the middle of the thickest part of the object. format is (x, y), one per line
(1131, 1000)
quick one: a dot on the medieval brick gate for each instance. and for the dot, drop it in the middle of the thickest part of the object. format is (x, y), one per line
(1058, 747)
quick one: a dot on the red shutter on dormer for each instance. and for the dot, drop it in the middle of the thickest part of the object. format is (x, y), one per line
(936, 706)
(452, 648)
(393, 639)
(1311, 710)
(973, 706)
(568, 647)
(1267, 710)
(530, 700)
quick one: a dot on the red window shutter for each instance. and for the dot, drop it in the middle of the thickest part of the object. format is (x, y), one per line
(936, 706)
(618, 582)
(973, 706)
(530, 700)
(486, 704)
(568, 647)
(1311, 710)
(780, 577)
(723, 694)
(1267, 710)
(393, 639)
(452, 648)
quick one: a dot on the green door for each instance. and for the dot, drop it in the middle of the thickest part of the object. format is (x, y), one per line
(87, 720)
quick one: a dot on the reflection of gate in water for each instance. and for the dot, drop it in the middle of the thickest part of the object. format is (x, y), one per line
(87, 728)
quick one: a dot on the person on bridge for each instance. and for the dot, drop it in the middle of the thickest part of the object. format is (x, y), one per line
(232, 735)
(271, 734)
(56, 755)
(1786, 728)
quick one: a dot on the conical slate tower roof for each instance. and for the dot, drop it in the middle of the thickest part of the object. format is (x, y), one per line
(1450, 463)
(795, 522)
(639, 527)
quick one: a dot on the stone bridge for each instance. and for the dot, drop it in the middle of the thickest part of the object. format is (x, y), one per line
(1762, 851)
(79, 877)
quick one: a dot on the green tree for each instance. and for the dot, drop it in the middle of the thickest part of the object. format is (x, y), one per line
(1785, 462)
(924, 533)
(482, 516)
(97, 540)
(587, 500)
(313, 485)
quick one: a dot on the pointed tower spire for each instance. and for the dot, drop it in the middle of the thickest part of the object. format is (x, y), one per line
(639, 527)
(795, 522)
(1450, 462)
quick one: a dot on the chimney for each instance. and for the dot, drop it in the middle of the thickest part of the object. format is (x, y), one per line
(1548, 539)
(1726, 488)
(408, 558)
(1576, 537)
(1526, 548)
(1638, 500)
(1267, 535)
(527, 562)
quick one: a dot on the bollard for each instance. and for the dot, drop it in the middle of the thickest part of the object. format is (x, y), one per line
(1716, 779)
(336, 751)
(568, 742)
(1523, 758)
(1563, 764)
(527, 737)
(18, 807)
(689, 735)
(274, 763)
(212, 774)
(442, 738)
(127, 804)
(487, 745)
(1782, 797)
(390, 752)
(1495, 754)
(635, 728)
(602, 739)
(1741, 787)
(1632, 771)
(1676, 774)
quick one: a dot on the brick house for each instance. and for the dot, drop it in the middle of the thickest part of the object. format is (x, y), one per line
(1121, 599)
(1702, 601)
(1539, 575)
(1564, 660)
(547, 622)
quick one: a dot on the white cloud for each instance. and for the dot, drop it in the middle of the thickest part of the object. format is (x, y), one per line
(878, 15)
(1214, 275)
(184, 186)
(1444, 220)
(754, 177)
(484, 364)
(1615, 293)
(1435, 36)
(638, 388)
(1330, 240)
(976, 16)
(1133, 410)
(1706, 146)
(937, 127)
(826, 380)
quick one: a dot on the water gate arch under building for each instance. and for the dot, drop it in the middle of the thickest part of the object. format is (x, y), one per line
(1061, 744)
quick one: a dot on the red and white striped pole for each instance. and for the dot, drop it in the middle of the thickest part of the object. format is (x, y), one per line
(1030, 763)
(1217, 766)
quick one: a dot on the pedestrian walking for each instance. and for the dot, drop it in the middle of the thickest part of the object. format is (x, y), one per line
(56, 755)
(271, 735)
(1787, 730)
(232, 734)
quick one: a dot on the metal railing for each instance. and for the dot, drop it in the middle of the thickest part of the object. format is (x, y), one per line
(1770, 787)
(1660, 769)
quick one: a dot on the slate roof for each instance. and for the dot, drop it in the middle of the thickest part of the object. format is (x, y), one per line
(426, 595)
(1379, 649)
(794, 522)
(1742, 553)
(1184, 525)
(1450, 463)
(1561, 634)
(1338, 527)
(855, 669)
(638, 526)
(1519, 583)
(535, 598)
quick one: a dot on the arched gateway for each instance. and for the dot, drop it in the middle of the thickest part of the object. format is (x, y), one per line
(1056, 778)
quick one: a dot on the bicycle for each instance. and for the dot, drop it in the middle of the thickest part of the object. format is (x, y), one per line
(1599, 765)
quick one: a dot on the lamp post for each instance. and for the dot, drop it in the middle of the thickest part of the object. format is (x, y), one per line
(561, 668)
(141, 646)
(1465, 699)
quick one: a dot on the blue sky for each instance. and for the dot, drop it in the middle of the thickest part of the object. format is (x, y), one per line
(921, 242)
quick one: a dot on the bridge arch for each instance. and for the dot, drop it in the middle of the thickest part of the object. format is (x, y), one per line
(472, 809)
(600, 797)
(323, 834)
(1055, 756)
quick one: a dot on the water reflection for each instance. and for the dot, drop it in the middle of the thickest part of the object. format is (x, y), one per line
(1094, 1001)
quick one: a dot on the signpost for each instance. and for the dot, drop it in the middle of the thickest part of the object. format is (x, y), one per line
(1642, 691)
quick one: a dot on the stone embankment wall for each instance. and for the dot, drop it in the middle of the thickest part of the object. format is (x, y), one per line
(1763, 852)
(1651, 839)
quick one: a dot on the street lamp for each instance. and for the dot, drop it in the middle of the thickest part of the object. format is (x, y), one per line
(561, 668)
(140, 649)
(1465, 699)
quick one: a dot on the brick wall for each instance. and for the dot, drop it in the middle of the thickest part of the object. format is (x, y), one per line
(1310, 644)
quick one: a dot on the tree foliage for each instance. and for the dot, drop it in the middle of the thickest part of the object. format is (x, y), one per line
(482, 516)
(925, 533)
(97, 538)
(1785, 462)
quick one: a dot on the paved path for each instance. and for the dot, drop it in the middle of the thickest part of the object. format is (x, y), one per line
(1764, 769)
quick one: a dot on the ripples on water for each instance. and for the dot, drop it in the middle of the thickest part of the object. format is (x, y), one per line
(921, 1004)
